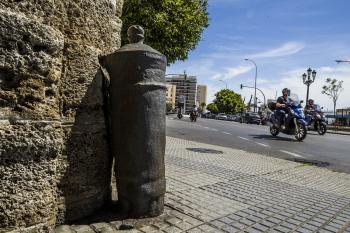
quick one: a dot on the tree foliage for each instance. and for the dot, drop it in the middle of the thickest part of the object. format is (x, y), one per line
(228, 101)
(173, 27)
(212, 108)
(202, 107)
(169, 107)
(333, 88)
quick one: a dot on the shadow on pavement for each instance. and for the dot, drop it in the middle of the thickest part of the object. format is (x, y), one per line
(272, 138)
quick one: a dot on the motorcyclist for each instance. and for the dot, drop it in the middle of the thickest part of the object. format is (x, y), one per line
(310, 106)
(194, 110)
(281, 106)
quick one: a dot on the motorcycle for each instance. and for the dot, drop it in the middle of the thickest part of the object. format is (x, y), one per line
(294, 123)
(316, 121)
(179, 115)
(193, 116)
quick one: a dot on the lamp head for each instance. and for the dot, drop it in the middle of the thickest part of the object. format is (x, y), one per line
(314, 74)
(309, 72)
(304, 77)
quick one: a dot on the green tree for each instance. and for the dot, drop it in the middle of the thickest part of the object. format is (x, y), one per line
(333, 88)
(213, 108)
(169, 107)
(201, 107)
(228, 101)
(173, 27)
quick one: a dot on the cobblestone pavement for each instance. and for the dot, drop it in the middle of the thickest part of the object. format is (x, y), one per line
(220, 189)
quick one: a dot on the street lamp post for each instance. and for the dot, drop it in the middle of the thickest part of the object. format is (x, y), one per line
(258, 90)
(224, 82)
(256, 75)
(308, 79)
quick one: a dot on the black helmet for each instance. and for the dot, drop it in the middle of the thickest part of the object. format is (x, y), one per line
(311, 101)
(286, 90)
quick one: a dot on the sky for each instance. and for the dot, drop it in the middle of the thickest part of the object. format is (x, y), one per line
(283, 37)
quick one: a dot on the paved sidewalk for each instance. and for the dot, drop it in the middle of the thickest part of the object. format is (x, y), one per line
(217, 189)
(338, 132)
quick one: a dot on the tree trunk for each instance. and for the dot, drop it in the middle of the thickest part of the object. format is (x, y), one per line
(334, 110)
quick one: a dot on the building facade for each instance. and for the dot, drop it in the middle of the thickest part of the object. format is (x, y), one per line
(171, 95)
(186, 86)
(202, 93)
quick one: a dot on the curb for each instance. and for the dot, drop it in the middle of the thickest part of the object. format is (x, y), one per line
(340, 132)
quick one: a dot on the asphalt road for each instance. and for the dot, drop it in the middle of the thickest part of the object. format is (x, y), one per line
(331, 150)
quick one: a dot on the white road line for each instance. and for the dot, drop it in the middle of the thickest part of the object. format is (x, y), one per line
(244, 138)
(226, 133)
(262, 144)
(205, 127)
(291, 153)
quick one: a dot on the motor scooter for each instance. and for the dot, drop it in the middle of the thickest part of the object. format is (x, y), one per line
(193, 116)
(315, 120)
(294, 123)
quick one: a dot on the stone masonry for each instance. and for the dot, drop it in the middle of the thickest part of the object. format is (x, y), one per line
(54, 154)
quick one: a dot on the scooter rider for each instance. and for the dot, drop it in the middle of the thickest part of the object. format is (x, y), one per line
(194, 109)
(310, 106)
(281, 106)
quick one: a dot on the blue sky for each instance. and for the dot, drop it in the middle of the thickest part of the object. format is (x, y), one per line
(284, 38)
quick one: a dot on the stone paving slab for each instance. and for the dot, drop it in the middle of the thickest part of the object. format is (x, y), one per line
(316, 178)
(237, 191)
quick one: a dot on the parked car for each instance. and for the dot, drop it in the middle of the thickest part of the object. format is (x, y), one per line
(252, 118)
(208, 115)
(238, 118)
(221, 116)
(231, 117)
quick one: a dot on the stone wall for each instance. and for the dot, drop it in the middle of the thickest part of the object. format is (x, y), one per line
(54, 154)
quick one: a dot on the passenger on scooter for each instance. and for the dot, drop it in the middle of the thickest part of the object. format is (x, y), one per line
(281, 107)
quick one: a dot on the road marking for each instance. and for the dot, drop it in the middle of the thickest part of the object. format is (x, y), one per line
(205, 127)
(226, 133)
(291, 153)
(262, 144)
(213, 129)
(244, 138)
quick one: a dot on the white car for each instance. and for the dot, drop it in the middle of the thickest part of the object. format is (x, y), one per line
(221, 116)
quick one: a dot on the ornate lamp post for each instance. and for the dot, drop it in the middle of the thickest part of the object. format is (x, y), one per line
(256, 75)
(308, 79)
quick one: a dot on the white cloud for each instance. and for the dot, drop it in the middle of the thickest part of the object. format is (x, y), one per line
(232, 72)
(286, 49)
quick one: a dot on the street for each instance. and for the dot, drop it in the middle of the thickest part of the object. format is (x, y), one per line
(330, 151)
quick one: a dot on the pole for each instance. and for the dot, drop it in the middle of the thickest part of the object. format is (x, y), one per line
(256, 76)
(307, 94)
(258, 90)
(224, 82)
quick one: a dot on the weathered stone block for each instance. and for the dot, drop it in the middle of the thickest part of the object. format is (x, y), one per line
(49, 70)
(28, 171)
(30, 67)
